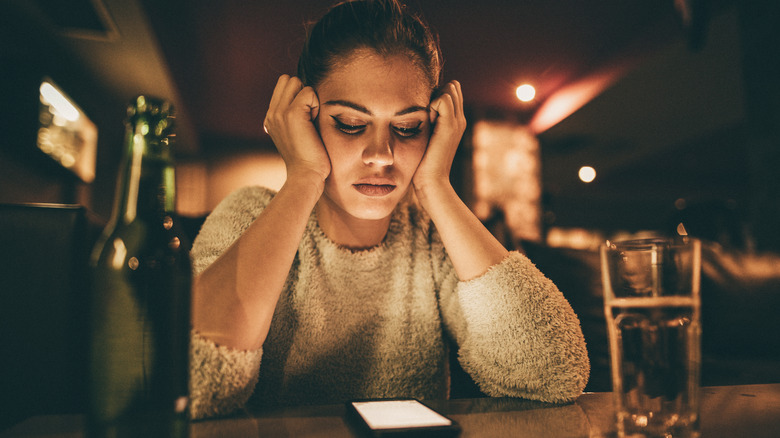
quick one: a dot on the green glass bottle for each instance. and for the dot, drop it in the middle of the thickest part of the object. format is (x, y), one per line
(140, 286)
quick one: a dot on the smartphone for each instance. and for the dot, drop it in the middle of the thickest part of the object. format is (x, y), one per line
(405, 417)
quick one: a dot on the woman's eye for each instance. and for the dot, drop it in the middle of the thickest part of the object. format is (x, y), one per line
(408, 131)
(347, 128)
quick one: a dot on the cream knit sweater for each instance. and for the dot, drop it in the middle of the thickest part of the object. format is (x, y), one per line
(372, 323)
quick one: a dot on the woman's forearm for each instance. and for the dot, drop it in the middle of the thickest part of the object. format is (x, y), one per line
(471, 247)
(235, 297)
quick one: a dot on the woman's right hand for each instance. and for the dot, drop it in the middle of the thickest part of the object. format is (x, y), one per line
(291, 124)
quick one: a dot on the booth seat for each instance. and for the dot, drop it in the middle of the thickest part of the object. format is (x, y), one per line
(43, 309)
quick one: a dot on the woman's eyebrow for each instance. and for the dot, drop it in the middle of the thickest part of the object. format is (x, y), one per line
(349, 104)
(412, 109)
(362, 109)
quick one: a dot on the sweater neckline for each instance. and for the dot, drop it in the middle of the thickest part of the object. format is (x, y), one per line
(394, 229)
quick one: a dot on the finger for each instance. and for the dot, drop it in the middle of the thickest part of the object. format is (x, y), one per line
(443, 106)
(290, 91)
(435, 108)
(308, 101)
(458, 99)
(280, 84)
(432, 114)
(314, 104)
(287, 88)
(453, 89)
(278, 100)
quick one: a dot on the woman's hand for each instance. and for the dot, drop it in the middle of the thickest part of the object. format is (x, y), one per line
(448, 123)
(291, 124)
(471, 247)
(233, 300)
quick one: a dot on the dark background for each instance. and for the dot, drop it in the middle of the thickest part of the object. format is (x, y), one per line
(679, 114)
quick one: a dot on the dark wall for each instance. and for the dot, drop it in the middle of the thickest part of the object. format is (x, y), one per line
(761, 51)
(715, 152)
(30, 50)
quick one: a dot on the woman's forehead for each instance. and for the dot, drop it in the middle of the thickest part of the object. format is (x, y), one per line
(374, 79)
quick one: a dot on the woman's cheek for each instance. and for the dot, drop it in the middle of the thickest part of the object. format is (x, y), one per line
(416, 151)
(331, 141)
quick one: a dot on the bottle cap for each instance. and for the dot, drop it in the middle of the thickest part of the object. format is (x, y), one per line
(151, 115)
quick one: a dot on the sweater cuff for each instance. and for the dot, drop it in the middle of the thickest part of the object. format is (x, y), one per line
(221, 378)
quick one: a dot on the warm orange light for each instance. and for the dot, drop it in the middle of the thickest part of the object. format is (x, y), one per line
(572, 97)
(525, 92)
(587, 174)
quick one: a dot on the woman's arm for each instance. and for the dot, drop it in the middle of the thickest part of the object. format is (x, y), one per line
(470, 245)
(234, 298)
(517, 334)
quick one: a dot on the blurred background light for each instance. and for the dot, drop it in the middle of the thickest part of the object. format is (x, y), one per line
(587, 174)
(525, 92)
(52, 96)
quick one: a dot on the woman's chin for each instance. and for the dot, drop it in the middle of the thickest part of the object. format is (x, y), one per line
(369, 207)
(373, 212)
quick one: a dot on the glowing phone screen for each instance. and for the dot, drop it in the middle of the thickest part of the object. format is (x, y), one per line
(396, 414)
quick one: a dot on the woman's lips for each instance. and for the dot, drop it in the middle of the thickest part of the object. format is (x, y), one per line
(374, 189)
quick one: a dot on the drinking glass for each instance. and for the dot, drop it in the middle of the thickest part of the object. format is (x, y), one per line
(652, 308)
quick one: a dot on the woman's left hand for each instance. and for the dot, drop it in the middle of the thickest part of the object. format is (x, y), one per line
(471, 247)
(448, 123)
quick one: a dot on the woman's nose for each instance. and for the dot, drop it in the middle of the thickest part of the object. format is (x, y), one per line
(380, 150)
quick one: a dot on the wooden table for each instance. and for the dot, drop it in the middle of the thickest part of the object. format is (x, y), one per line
(727, 411)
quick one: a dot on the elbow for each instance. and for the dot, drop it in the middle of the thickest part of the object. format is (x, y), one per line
(549, 384)
(566, 372)
(558, 375)
(565, 384)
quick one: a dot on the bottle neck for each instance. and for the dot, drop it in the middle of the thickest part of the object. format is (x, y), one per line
(146, 186)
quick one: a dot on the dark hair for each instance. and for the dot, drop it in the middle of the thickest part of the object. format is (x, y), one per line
(385, 26)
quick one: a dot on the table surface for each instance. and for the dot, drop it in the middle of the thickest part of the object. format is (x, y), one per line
(727, 411)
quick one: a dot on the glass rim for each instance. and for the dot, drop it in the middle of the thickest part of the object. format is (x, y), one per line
(646, 244)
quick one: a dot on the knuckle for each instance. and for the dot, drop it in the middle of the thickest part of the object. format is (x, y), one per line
(296, 81)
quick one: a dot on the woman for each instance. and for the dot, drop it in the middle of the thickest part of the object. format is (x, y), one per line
(348, 282)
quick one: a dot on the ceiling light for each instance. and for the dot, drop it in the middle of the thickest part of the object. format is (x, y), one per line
(50, 95)
(525, 92)
(587, 174)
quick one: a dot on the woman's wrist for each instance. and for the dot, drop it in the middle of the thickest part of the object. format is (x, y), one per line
(432, 189)
(305, 181)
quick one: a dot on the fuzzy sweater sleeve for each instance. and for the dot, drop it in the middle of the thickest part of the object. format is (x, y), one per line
(222, 379)
(517, 335)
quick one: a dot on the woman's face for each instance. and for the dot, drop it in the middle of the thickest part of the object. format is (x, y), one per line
(374, 122)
